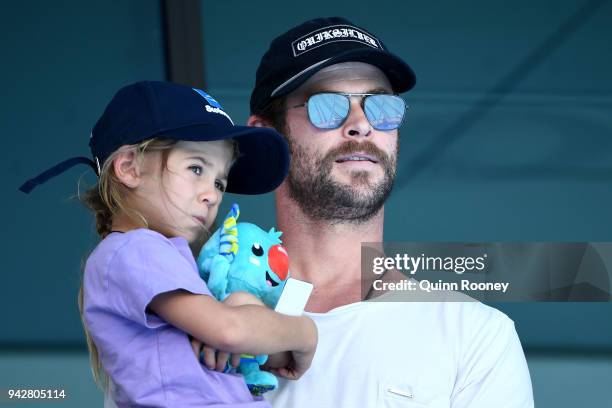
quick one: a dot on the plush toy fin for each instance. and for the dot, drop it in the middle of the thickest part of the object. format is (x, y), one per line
(228, 240)
(274, 233)
(257, 381)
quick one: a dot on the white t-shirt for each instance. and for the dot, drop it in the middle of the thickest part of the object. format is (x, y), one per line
(412, 354)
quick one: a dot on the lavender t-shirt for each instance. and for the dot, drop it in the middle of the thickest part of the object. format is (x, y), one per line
(150, 362)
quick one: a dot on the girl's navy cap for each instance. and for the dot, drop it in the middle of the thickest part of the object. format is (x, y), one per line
(304, 50)
(148, 109)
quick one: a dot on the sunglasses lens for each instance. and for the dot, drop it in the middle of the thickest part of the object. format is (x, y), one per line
(328, 110)
(384, 112)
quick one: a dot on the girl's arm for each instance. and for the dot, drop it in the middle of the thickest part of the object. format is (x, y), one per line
(238, 329)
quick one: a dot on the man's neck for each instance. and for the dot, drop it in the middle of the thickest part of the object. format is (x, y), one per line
(325, 253)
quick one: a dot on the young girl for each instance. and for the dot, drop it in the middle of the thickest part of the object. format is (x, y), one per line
(165, 154)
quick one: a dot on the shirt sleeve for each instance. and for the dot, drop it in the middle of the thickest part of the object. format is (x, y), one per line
(494, 371)
(143, 268)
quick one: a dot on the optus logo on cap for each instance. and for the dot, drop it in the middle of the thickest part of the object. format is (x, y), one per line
(214, 106)
(212, 101)
(332, 34)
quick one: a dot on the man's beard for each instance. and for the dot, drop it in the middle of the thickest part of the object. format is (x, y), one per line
(321, 198)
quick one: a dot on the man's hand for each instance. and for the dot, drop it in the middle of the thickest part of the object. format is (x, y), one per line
(293, 364)
(289, 365)
(213, 359)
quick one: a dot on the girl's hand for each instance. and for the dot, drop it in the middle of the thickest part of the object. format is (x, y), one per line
(213, 359)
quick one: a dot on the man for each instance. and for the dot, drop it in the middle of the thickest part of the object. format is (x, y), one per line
(329, 87)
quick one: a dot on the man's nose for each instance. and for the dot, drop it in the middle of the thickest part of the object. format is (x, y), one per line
(357, 124)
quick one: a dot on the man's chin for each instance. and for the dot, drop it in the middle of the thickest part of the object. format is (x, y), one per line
(358, 179)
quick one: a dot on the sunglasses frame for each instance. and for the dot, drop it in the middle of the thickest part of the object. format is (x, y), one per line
(348, 96)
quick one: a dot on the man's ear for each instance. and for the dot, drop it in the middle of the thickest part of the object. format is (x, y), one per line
(257, 121)
(127, 168)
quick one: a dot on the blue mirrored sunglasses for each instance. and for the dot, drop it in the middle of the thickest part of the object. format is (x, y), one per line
(329, 110)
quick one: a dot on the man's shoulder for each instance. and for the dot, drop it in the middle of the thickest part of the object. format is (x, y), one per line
(450, 316)
(473, 310)
(456, 312)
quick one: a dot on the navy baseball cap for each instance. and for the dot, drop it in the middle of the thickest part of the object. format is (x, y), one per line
(298, 54)
(148, 109)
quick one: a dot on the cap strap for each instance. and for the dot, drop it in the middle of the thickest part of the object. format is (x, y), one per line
(55, 171)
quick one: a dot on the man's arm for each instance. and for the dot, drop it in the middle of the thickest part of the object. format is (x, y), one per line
(494, 371)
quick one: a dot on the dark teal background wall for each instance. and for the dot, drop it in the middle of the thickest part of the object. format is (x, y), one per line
(508, 139)
(62, 62)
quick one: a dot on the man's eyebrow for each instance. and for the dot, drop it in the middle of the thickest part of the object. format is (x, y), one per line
(378, 90)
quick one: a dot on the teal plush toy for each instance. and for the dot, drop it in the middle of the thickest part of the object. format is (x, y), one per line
(243, 257)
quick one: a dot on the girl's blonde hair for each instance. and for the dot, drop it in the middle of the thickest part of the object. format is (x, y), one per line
(108, 198)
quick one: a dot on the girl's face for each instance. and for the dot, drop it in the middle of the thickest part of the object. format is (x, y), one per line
(182, 199)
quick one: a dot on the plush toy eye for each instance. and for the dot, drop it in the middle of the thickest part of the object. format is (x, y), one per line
(257, 249)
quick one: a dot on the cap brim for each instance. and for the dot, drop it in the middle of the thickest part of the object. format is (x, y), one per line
(263, 160)
(399, 73)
